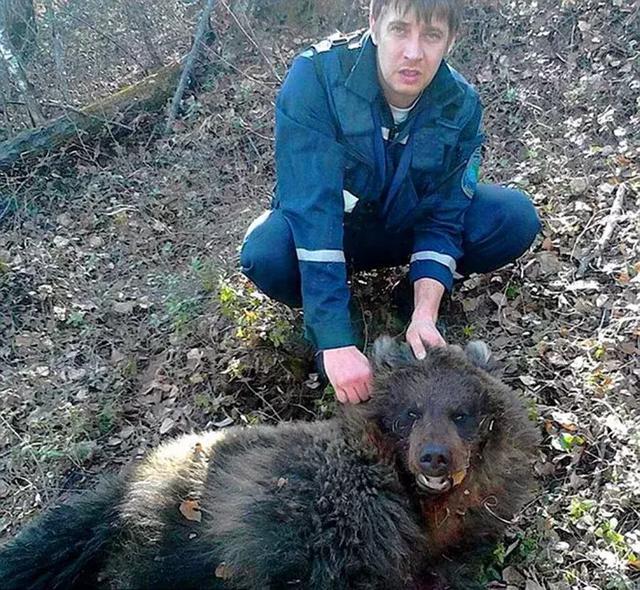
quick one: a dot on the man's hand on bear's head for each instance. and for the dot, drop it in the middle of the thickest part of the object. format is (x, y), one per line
(349, 372)
(423, 332)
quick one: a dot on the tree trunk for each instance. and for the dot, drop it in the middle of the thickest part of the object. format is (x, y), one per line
(190, 61)
(19, 20)
(17, 74)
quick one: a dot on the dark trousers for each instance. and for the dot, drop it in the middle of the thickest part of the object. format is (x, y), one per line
(499, 226)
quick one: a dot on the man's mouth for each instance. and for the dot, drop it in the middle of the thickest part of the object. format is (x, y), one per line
(410, 75)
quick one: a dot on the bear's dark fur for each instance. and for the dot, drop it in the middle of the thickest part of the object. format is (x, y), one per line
(438, 461)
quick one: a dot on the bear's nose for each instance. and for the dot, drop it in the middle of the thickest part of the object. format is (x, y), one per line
(435, 459)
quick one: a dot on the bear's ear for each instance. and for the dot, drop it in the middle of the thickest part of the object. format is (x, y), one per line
(388, 353)
(479, 354)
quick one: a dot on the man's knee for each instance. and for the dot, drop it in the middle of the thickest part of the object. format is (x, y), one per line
(253, 255)
(519, 218)
(268, 258)
(499, 227)
(505, 214)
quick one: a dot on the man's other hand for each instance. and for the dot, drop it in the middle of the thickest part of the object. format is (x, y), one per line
(421, 332)
(349, 372)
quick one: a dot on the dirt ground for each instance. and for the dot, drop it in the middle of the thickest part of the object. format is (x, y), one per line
(124, 321)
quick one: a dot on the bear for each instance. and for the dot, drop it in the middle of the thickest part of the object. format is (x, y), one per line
(384, 495)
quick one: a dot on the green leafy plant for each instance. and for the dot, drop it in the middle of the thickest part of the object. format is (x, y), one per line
(468, 331)
(512, 291)
(106, 419)
(255, 317)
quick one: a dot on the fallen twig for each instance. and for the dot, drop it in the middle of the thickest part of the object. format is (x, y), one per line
(612, 220)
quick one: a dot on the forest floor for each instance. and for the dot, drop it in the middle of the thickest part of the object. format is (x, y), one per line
(124, 319)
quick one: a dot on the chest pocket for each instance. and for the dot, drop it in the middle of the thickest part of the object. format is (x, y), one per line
(358, 177)
(433, 153)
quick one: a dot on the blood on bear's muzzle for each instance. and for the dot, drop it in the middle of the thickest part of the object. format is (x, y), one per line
(435, 475)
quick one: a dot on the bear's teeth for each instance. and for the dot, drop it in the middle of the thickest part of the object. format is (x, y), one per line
(437, 482)
(433, 483)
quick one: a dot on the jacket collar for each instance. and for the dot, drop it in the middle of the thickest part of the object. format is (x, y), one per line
(363, 79)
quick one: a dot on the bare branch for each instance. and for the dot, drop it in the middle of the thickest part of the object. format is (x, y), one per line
(203, 25)
(20, 25)
(252, 40)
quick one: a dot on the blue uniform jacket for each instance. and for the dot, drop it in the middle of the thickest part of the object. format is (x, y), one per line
(334, 133)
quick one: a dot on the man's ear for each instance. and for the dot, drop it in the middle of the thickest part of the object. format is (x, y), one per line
(450, 45)
(387, 353)
(372, 26)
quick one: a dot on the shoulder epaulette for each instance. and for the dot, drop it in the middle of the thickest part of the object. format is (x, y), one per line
(352, 40)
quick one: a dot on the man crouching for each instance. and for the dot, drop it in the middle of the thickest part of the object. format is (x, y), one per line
(378, 145)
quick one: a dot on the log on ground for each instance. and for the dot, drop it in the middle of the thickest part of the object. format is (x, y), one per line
(147, 96)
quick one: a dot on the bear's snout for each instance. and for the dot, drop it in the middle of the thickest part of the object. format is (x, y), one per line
(435, 459)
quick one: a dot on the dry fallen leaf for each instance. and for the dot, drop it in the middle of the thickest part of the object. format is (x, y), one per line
(547, 244)
(458, 477)
(223, 571)
(123, 307)
(584, 285)
(167, 425)
(198, 452)
(283, 481)
(500, 299)
(190, 509)
(623, 278)
(565, 420)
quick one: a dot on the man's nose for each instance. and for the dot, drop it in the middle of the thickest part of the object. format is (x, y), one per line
(413, 48)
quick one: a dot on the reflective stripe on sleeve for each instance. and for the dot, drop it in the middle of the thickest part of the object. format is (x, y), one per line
(320, 255)
(444, 259)
(350, 201)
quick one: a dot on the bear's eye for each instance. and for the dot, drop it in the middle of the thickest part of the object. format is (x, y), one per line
(459, 417)
(405, 421)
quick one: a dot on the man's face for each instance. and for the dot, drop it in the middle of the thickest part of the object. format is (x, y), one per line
(409, 53)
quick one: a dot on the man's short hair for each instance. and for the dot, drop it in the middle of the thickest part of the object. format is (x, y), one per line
(446, 10)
